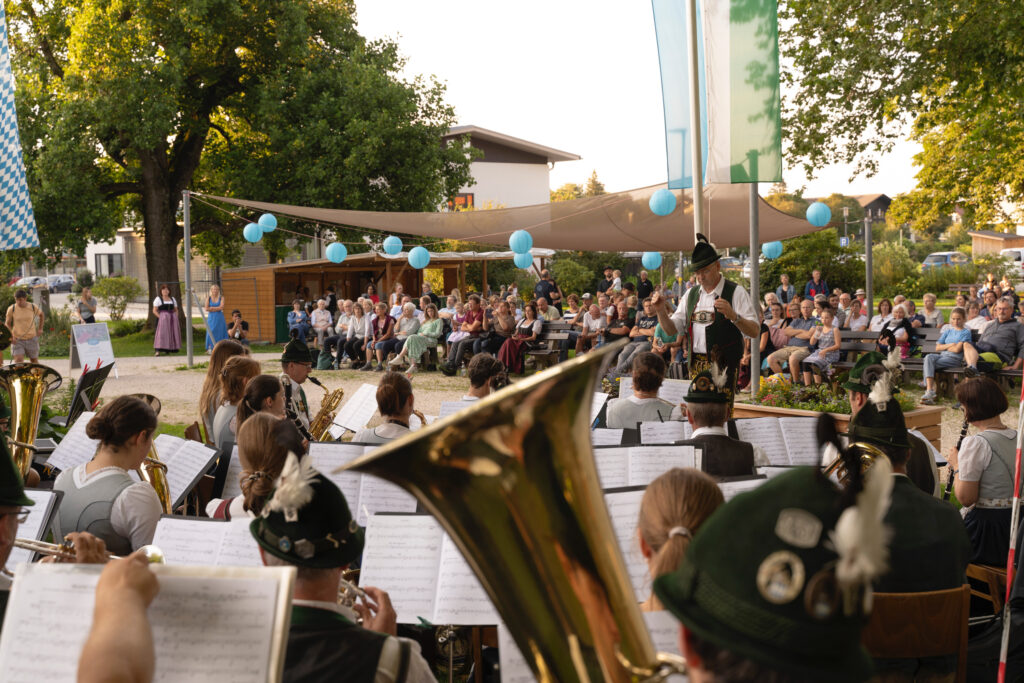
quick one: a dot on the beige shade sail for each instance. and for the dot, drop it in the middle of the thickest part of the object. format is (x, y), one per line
(620, 221)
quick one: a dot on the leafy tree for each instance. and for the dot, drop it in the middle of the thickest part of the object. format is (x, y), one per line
(566, 192)
(594, 186)
(840, 266)
(123, 106)
(572, 277)
(116, 293)
(792, 203)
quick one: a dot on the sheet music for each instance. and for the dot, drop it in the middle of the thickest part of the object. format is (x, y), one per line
(461, 598)
(513, 666)
(612, 467)
(327, 457)
(357, 411)
(671, 390)
(801, 437)
(186, 460)
(377, 495)
(205, 628)
(664, 630)
(596, 404)
(35, 527)
(731, 489)
(647, 463)
(625, 386)
(415, 423)
(188, 541)
(232, 485)
(75, 448)
(452, 407)
(764, 431)
(664, 432)
(624, 510)
(606, 437)
(401, 556)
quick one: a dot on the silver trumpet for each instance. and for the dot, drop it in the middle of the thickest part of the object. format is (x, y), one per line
(66, 550)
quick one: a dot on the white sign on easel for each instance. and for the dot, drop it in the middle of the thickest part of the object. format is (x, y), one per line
(91, 347)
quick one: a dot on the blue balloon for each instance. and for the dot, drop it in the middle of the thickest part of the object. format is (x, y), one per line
(523, 261)
(336, 252)
(419, 258)
(771, 250)
(651, 260)
(521, 242)
(392, 245)
(818, 214)
(252, 232)
(268, 222)
(663, 202)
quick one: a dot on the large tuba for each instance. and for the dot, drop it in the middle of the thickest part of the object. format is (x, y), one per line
(153, 471)
(513, 481)
(26, 384)
(867, 455)
(319, 425)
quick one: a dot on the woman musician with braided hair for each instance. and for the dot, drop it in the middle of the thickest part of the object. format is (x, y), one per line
(263, 394)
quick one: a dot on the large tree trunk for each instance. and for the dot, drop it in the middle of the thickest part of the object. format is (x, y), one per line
(159, 212)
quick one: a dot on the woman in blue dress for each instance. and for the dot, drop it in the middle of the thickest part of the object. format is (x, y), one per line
(216, 325)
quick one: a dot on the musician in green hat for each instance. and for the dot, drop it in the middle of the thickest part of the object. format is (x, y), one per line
(707, 409)
(13, 502)
(296, 363)
(714, 316)
(307, 524)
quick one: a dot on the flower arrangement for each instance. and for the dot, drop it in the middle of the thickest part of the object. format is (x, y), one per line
(820, 397)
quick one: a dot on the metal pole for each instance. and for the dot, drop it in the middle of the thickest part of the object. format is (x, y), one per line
(185, 195)
(755, 292)
(696, 151)
(869, 287)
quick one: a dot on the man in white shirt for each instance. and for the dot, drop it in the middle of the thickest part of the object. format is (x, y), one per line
(714, 316)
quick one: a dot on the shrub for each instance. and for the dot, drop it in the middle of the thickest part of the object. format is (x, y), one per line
(116, 293)
(122, 328)
(892, 263)
(56, 339)
(83, 279)
(572, 277)
(820, 397)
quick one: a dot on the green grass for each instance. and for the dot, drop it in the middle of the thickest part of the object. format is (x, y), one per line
(171, 428)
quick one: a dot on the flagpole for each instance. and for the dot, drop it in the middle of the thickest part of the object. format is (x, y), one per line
(697, 152)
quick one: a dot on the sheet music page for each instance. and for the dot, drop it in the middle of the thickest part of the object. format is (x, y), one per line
(452, 407)
(801, 437)
(34, 526)
(606, 437)
(647, 463)
(461, 599)
(595, 405)
(513, 666)
(237, 546)
(731, 489)
(624, 509)
(327, 457)
(415, 423)
(75, 448)
(185, 466)
(232, 487)
(189, 541)
(764, 431)
(612, 467)
(625, 386)
(359, 409)
(377, 495)
(674, 390)
(669, 431)
(664, 630)
(401, 556)
(166, 445)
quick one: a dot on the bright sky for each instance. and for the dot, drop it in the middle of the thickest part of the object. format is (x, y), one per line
(580, 76)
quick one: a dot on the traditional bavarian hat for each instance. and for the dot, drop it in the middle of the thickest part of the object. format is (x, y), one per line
(296, 351)
(869, 368)
(704, 253)
(709, 387)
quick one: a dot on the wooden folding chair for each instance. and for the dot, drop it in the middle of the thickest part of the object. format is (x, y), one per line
(994, 578)
(915, 625)
(194, 433)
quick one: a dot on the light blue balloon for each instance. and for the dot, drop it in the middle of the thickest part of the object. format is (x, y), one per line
(392, 245)
(818, 214)
(662, 202)
(523, 261)
(521, 242)
(651, 260)
(336, 252)
(252, 232)
(771, 250)
(267, 222)
(419, 258)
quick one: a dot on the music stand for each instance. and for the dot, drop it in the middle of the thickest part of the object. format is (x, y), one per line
(87, 391)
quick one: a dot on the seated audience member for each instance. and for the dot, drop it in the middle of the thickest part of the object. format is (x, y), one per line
(640, 337)
(768, 556)
(263, 443)
(1004, 338)
(932, 316)
(929, 549)
(672, 510)
(355, 338)
(526, 337)
(826, 342)
(913, 317)
(321, 321)
(335, 343)
(798, 331)
(838, 313)
(382, 328)
(298, 320)
(988, 310)
(236, 375)
(976, 321)
(486, 374)
(406, 324)
(320, 540)
(765, 349)
(620, 324)
(707, 409)
(395, 402)
(983, 470)
(856, 319)
(666, 345)
(263, 394)
(884, 316)
(499, 326)
(100, 497)
(643, 405)
(238, 329)
(421, 341)
(950, 348)
(472, 325)
(897, 333)
(592, 326)
(547, 312)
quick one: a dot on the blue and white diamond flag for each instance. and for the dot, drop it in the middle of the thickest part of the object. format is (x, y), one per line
(17, 222)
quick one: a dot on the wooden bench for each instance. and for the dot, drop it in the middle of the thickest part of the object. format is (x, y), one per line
(552, 332)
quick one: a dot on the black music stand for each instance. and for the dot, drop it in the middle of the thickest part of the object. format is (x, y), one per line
(87, 391)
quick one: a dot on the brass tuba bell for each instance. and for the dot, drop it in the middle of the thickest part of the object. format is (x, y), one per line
(867, 455)
(513, 481)
(26, 384)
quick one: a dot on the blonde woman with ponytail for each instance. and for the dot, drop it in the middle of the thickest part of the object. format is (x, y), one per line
(234, 377)
(673, 508)
(264, 442)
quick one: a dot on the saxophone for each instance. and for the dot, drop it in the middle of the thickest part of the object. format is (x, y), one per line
(319, 425)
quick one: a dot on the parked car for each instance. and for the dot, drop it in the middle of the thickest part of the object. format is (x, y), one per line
(945, 259)
(60, 283)
(731, 263)
(31, 282)
(1016, 258)
(747, 266)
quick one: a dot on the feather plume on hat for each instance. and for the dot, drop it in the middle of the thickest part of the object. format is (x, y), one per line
(720, 376)
(881, 391)
(893, 363)
(294, 488)
(702, 238)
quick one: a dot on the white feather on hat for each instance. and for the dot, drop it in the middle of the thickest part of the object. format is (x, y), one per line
(720, 376)
(881, 391)
(893, 363)
(294, 488)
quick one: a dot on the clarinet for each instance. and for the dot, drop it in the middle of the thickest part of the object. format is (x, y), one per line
(950, 475)
(289, 412)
